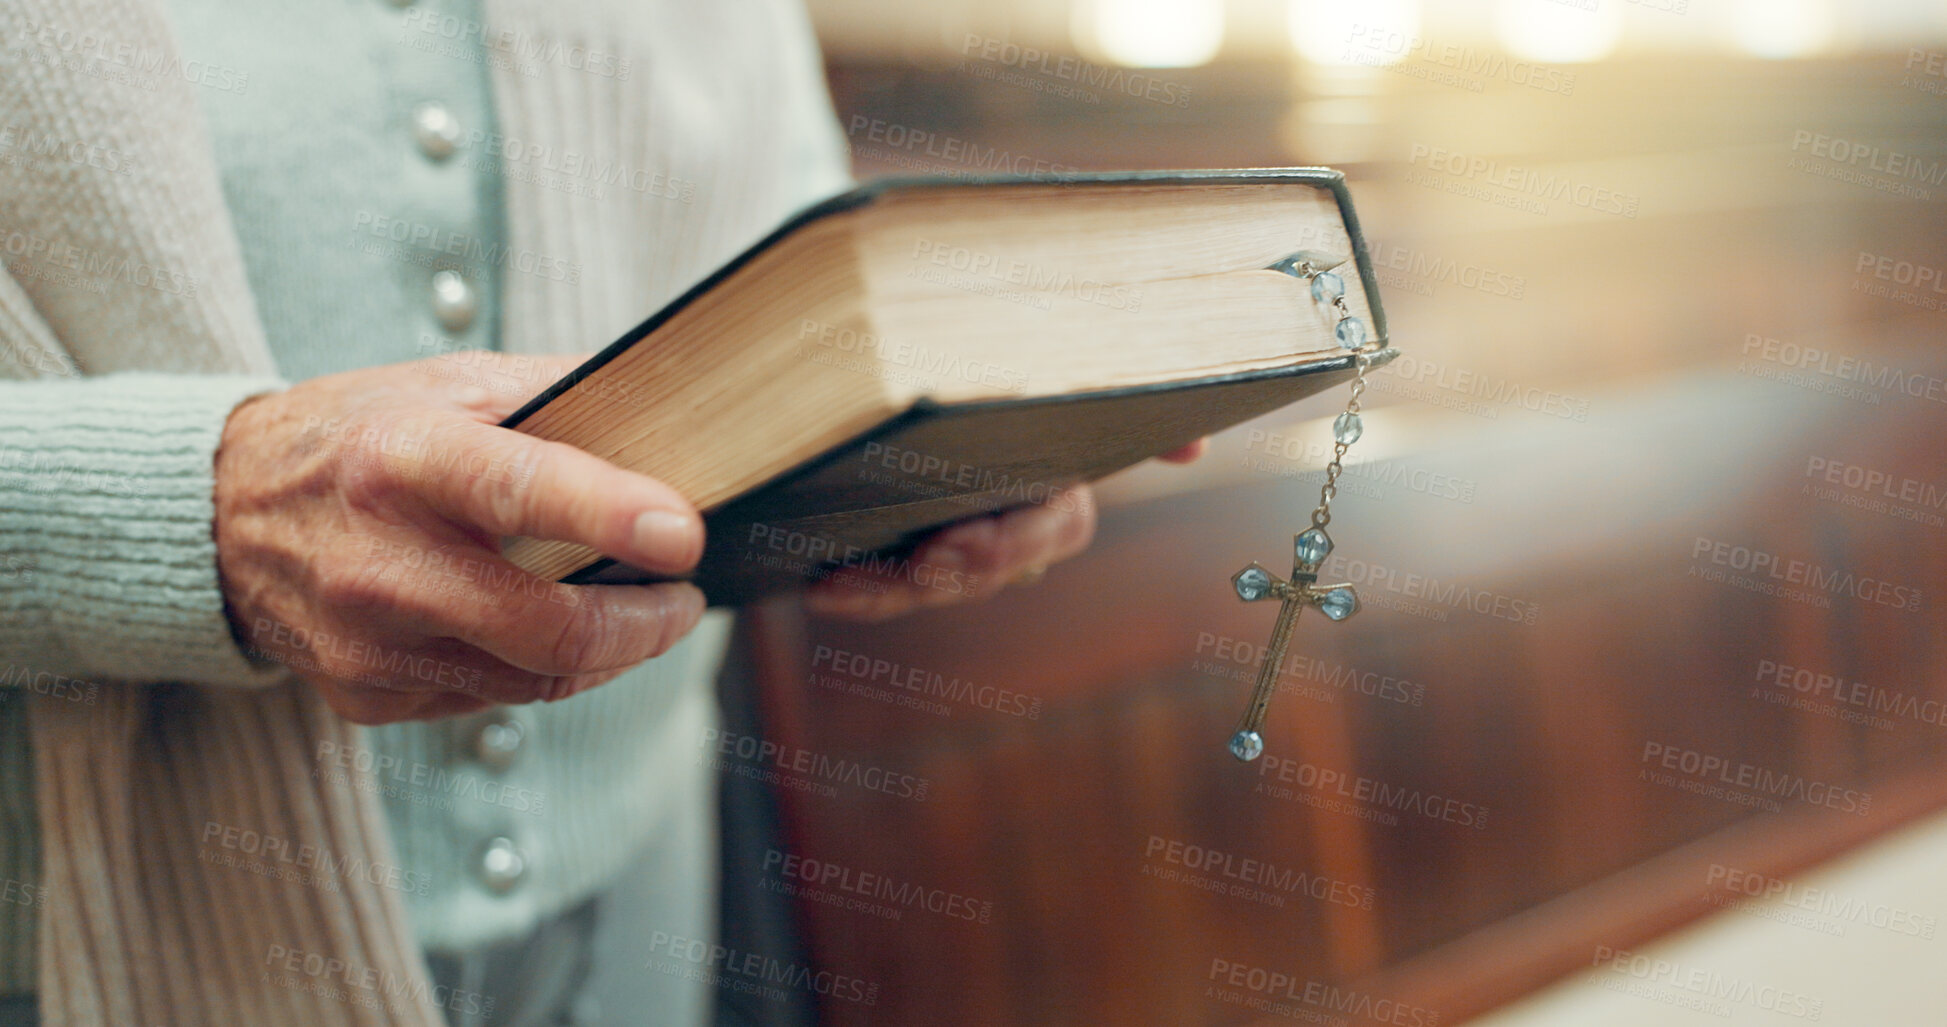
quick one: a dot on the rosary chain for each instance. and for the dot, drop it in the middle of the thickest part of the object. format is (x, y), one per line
(1322, 516)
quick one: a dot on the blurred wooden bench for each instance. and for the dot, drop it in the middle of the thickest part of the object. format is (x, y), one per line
(1054, 819)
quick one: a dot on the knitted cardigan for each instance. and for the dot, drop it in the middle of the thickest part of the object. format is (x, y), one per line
(178, 729)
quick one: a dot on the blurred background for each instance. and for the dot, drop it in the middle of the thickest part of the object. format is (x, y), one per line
(1642, 719)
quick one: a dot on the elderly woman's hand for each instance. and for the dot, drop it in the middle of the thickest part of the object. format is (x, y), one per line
(357, 522)
(972, 559)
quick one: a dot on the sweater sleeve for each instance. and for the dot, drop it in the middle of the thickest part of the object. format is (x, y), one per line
(107, 555)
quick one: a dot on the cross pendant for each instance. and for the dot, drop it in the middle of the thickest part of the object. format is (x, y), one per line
(1255, 582)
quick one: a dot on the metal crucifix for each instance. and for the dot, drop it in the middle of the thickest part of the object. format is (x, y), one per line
(1255, 582)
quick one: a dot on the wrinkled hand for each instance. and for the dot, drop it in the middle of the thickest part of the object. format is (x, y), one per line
(972, 559)
(356, 522)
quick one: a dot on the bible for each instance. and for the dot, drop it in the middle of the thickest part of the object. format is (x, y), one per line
(923, 350)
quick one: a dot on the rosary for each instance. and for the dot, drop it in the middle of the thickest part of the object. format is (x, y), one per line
(1311, 546)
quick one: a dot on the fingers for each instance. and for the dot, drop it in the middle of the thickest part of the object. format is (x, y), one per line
(608, 627)
(554, 629)
(464, 591)
(491, 385)
(437, 678)
(1029, 536)
(1186, 454)
(983, 553)
(372, 705)
(500, 482)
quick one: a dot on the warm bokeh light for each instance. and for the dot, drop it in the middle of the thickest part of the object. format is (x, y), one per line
(1549, 30)
(1150, 33)
(1782, 28)
(1335, 32)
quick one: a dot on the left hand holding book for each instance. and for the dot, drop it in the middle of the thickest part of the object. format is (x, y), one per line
(358, 517)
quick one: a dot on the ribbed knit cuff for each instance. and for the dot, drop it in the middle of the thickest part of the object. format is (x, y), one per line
(107, 558)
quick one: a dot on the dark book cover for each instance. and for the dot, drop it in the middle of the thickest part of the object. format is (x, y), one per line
(864, 502)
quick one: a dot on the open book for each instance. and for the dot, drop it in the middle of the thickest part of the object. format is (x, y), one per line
(919, 351)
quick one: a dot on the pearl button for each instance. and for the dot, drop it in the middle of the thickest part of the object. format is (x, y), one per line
(501, 864)
(497, 741)
(454, 301)
(436, 130)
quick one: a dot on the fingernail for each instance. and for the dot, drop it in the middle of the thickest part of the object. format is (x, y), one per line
(944, 557)
(666, 538)
(692, 602)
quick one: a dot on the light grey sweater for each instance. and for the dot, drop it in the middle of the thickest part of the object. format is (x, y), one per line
(701, 127)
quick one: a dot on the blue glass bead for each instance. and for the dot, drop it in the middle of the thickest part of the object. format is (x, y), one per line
(1252, 583)
(1327, 287)
(1347, 428)
(1351, 333)
(1338, 604)
(1312, 546)
(1245, 745)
